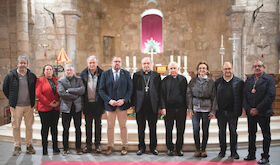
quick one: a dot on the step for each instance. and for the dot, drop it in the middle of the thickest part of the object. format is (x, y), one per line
(213, 142)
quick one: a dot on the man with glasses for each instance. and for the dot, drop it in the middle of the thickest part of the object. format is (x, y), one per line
(229, 99)
(116, 89)
(259, 94)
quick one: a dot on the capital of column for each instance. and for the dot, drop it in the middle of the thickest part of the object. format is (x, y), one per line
(71, 19)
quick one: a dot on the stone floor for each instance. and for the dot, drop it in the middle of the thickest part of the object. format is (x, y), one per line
(6, 157)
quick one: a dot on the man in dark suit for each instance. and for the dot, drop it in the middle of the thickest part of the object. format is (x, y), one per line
(93, 103)
(174, 107)
(259, 93)
(116, 89)
(146, 99)
(229, 99)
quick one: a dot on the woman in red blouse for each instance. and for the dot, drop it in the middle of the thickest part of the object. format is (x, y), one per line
(48, 107)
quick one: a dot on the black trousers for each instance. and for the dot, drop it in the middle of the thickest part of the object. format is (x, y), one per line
(66, 120)
(49, 120)
(264, 123)
(146, 113)
(97, 125)
(179, 115)
(232, 121)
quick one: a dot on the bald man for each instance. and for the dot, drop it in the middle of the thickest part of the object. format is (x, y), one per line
(229, 99)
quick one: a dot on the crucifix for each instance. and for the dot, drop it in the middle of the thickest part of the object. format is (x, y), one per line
(234, 39)
(152, 55)
(237, 61)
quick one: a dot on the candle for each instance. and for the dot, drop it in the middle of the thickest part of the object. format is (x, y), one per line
(179, 61)
(222, 41)
(134, 61)
(127, 61)
(171, 58)
(186, 62)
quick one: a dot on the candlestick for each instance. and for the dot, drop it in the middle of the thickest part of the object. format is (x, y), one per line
(179, 61)
(171, 58)
(134, 61)
(186, 62)
(127, 61)
(222, 41)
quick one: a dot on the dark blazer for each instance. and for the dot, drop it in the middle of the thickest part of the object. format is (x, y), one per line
(99, 102)
(139, 87)
(123, 88)
(11, 87)
(237, 88)
(165, 89)
(264, 96)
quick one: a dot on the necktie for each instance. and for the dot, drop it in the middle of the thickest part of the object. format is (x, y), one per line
(117, 76)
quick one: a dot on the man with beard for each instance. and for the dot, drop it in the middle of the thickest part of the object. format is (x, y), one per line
(19, 88)
(259, 93)
(116, 89)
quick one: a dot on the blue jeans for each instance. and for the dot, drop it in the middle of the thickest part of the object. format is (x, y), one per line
(196, 129)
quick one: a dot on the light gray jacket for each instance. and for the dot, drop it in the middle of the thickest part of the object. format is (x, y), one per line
(70, 92)
(202, 92)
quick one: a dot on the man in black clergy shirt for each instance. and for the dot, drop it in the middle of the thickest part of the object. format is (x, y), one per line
(229, 100)
(174, 107)
(146, 99)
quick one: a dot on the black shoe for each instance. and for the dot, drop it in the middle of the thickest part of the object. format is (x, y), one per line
(140, 152)
(180, 153)
(65, 152)
(234, 155)
(170, 152)
(263, 161)
(45, 151)
(87, 149)
(154, 152)
(221, 154)
(56, 151)
(250, 157)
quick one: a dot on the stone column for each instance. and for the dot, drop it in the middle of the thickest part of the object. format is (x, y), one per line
(237, 21)
(22, 28)
(71, 18)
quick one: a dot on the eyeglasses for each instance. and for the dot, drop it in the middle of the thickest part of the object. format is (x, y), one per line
(257, 66)
(117, 61)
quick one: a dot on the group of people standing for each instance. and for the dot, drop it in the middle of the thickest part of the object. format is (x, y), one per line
(113, 92)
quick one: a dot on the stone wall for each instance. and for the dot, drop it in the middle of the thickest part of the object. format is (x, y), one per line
(191, 28)
(88, 32)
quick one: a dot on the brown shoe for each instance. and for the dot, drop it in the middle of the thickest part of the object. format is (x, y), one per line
(197, 153)
(123, 151)
(203, 153)
(98, 149)
(109, 150)
(30, 149)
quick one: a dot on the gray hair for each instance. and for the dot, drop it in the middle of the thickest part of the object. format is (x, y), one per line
(173, 63)
(92, 57)
(229, 63)
(146, 58)
(258, 60)
(22, 58)
(69, 66)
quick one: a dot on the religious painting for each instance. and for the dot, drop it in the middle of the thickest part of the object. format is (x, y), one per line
(108, 48)
(152, 31)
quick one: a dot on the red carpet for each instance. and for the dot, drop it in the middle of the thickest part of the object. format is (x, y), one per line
(237, 162)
